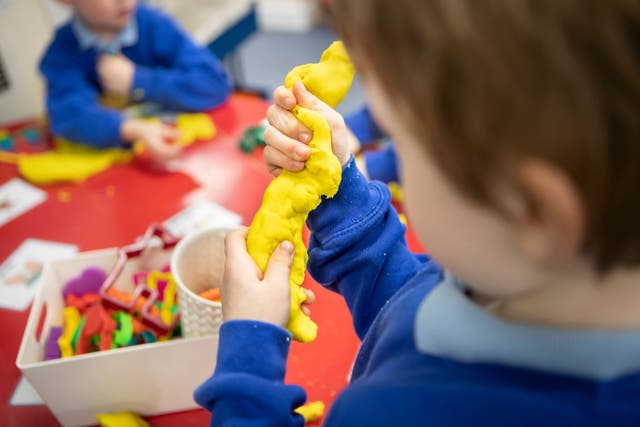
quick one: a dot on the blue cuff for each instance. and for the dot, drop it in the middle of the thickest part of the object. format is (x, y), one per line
(352, 206)
(253, 347)
(143, 87)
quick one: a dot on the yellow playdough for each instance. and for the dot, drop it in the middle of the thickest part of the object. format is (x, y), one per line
(311, 411)
(292, 195)
(69, 162)
(121, 419)
(194, 127)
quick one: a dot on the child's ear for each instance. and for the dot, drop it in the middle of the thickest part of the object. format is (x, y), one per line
(549, 223)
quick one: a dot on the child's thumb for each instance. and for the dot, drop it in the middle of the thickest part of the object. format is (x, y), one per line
(307, 99)
(279, 267)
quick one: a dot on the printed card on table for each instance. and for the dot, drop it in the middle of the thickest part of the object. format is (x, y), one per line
(19, 274)
(17, 197)
(200, 215)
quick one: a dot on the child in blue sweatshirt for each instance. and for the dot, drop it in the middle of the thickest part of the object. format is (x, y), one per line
(122, 50)
(517, 123)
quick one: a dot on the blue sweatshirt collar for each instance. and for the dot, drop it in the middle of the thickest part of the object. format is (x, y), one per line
(448, 324)
(88, 39)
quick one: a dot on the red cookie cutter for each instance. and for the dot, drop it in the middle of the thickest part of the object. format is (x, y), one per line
(133, 251)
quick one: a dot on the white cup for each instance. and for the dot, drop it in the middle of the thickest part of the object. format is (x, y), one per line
(197, 264)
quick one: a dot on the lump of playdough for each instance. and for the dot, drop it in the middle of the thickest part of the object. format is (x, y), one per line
(292, 195)
(311, 411)
(329, 79)
(69, 162)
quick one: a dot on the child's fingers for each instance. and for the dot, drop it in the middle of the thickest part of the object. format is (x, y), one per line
(308, 100)
(286, 145)
(279, 268)
(286, 122)
(284, 98)
(277, 160)
(171, 134)
(235, 244)
(311, 297)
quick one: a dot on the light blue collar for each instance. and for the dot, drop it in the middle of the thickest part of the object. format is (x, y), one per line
(448, 324)
(87, 39)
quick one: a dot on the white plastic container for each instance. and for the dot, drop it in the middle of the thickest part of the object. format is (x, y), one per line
(197, 264)
(148, 379)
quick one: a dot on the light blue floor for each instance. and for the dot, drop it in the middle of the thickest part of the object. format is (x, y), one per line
(267, 57)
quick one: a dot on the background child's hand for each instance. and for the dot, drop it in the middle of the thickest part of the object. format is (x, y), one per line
(246, 293)
(116, 74)
(287, 138)
(158, 138)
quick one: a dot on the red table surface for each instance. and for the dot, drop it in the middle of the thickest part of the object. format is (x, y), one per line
(114, 207)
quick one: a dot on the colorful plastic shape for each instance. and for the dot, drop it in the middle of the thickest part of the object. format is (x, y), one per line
(124, 330)
(252, 138)
(71, 317)
(83, 302)
(155, 280)
(98, 322)
(89, 281)
(51, 347)
(212, 294)
(133, 251)
(31, 135)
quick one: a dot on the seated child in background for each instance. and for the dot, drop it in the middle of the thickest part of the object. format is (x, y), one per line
(518, 126)
(121, 49)
(379, 163)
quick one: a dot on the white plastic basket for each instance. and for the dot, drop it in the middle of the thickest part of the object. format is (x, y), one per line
(148, 379)
(197, 264)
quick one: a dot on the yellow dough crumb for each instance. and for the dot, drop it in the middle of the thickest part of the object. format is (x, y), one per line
(292, 195)
(311, 411)
(121, 419)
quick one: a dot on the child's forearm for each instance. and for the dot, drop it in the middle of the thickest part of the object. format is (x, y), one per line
(358, 248)
(248, 386)
(202, 87)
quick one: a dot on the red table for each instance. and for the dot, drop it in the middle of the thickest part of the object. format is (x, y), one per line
(115, 206)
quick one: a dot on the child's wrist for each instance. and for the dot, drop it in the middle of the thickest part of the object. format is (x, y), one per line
(130, 130)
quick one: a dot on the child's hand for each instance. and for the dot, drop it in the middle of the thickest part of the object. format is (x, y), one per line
(246, 293)
(159, 139)
(287, 138)
(115, 73)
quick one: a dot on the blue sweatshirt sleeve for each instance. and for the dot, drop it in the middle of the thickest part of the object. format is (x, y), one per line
(187, 77)
(247, 387)
(358, 248)
(72, 101)
(363, 126)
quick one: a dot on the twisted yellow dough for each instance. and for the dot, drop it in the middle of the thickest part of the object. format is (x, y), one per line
(292, 195)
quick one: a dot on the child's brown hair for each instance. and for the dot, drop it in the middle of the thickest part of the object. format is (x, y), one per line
(486, 83)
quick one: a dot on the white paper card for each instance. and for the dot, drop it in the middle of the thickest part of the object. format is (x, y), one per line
(17, 197)
(200, 215)
(20, 273)
(25, 394)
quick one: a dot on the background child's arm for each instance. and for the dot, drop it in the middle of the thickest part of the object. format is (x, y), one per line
(188, 77)
(73, 108)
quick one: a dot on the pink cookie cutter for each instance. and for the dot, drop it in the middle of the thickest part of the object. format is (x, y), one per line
(133, 251)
